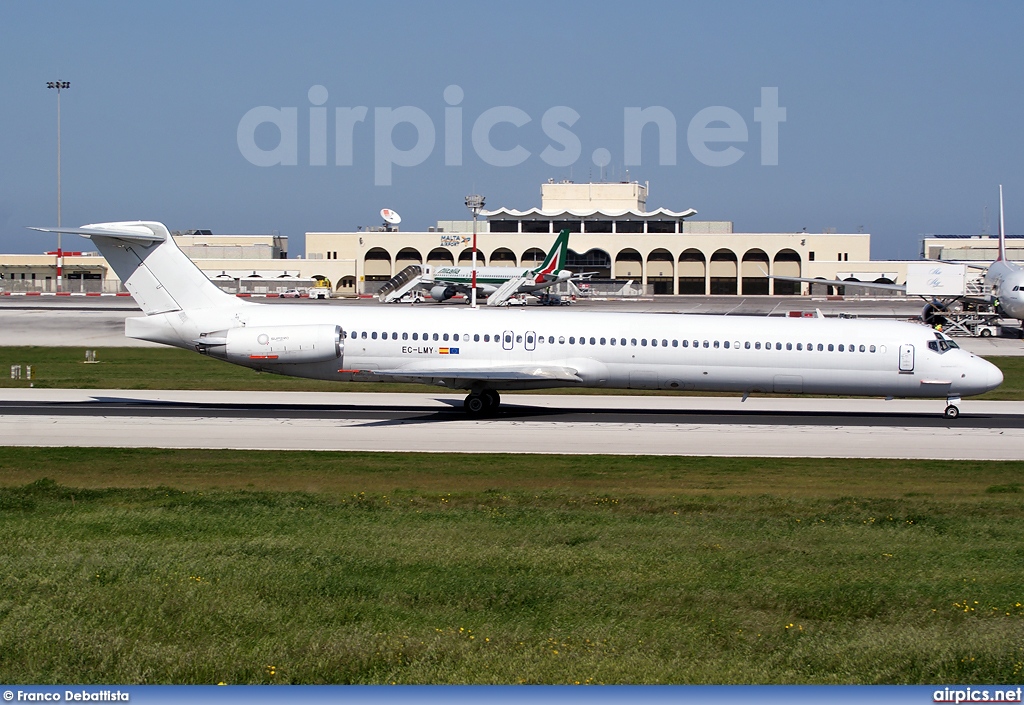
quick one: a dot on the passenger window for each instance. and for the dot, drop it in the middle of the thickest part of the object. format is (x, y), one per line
(602, 341)
(862, 348)
(716, 344)
(696, 343)
(593, 341)
(622, 341)
(612, 341)
(476, 337)
(654, 342)
(664, 343)
(686, 343)
(675, 343)
(643, 342)
(871, 348)
(799, 346)
(364, 335)
(436, 336)
(705, 343)
(841, 349)
(820, 347)
(529, 339)
(632, 341)
(851, 348)
(830, 347)
(778, 346)
(561, 340)
(746, 345)
(373, 335)
(572, 340)
(757, 346)
(551, 339)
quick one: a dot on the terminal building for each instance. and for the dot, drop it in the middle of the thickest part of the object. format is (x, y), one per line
(614, 238)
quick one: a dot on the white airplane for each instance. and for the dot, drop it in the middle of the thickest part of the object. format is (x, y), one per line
(497, 284)
(1004, 280)
(486, 351)
(1003, 284)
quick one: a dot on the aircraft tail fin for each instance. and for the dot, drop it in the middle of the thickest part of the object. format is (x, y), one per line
(557, 256)
(1002, 229)
(159, 276)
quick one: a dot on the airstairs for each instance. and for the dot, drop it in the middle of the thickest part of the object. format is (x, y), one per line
(401, 284)
(506, 291)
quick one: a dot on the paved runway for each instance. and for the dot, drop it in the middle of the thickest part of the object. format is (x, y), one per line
(723, 426)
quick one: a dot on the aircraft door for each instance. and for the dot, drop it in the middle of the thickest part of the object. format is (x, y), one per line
(906, 358)
(531, 340)
(506, 339)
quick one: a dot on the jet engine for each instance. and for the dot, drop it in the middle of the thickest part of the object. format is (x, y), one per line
(275, 344)
(932, 313)
(442, 293)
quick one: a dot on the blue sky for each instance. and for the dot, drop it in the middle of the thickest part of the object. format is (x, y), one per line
(901, 118)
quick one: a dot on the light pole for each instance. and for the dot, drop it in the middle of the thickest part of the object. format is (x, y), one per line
(59, 85)
(474, 203)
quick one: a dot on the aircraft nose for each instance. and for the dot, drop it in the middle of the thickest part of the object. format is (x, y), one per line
(994, 375)
(986, 375)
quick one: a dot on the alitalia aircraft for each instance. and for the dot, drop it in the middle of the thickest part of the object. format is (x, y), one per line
(486, 351)
(496, 284)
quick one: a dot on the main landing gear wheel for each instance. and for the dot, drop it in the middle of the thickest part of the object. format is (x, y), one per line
(475, 405)
(491, 398)
(951, 412)
(482, 403)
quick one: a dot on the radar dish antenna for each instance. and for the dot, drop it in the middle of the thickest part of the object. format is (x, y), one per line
(390, 218)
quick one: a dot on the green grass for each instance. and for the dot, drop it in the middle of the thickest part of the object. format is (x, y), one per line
(145, 566)
(172, 368)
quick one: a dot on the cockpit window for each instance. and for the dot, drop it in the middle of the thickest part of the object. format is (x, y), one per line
(944, 343)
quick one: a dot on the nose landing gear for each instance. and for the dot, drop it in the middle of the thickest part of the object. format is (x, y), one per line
(952, 410)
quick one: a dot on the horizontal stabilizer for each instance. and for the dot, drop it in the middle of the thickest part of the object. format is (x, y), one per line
(135, 234)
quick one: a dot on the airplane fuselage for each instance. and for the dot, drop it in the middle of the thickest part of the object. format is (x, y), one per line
(610, 350)
(488, 279)
(1004, 282)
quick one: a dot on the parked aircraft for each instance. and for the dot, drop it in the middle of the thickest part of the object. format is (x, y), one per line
(496, 284)
(1003, 286)
(484, 351)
